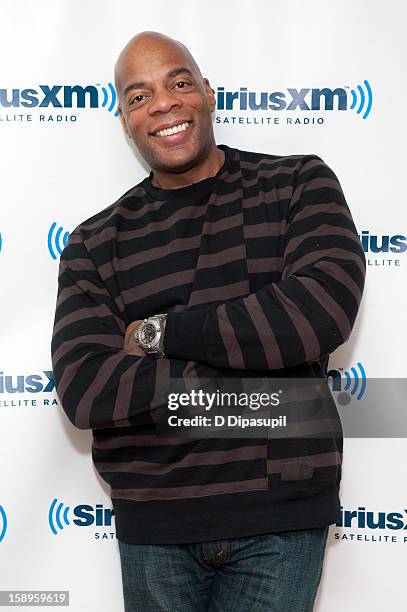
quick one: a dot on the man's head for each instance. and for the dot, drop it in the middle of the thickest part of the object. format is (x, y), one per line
(160, 87)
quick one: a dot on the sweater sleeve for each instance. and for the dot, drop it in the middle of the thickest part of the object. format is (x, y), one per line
(98, 383)
(305, 315)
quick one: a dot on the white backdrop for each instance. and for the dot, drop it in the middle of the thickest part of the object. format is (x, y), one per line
(61, 164)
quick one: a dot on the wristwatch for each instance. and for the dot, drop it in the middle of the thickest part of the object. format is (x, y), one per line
(149, 335)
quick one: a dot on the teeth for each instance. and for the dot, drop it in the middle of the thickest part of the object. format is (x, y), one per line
(174, 130)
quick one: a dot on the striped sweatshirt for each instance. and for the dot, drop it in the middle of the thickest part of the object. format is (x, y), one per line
(260, 271)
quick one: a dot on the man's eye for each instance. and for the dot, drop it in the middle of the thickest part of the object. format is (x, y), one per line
(137, 98)
(181, 84)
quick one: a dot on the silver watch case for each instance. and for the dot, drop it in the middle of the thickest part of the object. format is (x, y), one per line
(149, 335)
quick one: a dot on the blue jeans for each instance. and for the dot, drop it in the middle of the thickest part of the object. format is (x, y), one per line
(275, 572)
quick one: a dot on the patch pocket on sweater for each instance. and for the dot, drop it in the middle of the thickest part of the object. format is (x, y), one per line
(303, 476)
(295, 469)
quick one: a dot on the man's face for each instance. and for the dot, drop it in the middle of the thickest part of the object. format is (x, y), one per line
(161, 89)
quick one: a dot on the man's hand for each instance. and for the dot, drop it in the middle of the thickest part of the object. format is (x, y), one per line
(130, 345)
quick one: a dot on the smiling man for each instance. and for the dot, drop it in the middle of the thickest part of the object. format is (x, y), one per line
(222, 263)
(165, 107)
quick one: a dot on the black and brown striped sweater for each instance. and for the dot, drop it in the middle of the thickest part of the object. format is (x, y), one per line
(261, 272)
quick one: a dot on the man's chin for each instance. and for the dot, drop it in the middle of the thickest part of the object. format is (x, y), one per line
(177, 161)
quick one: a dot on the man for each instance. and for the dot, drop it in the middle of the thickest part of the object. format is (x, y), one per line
(244, 264)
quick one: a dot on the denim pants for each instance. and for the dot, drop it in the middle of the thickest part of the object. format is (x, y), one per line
(274, 572)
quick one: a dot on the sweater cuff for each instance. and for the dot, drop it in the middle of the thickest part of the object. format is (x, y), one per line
(184, 335)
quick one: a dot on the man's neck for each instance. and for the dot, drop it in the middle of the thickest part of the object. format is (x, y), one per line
(208, 168)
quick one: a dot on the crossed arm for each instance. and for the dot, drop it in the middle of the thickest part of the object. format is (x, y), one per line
(305, 315)
(103, 379)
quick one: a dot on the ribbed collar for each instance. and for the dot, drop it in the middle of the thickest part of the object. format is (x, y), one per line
(194, 192)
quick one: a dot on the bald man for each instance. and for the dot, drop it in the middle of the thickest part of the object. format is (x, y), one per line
(160, 85)
(222, 263)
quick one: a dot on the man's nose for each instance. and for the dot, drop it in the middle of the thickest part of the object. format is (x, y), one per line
(164, 101)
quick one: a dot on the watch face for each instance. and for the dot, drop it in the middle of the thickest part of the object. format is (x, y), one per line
(148, 333)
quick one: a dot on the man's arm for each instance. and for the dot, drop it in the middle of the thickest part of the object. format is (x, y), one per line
(100, 384)
(303, 316)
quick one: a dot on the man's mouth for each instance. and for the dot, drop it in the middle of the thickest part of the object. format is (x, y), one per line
(180, 127)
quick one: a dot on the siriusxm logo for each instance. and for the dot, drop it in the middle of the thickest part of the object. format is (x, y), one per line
(33, 383)
(82, 515)
(355, 383)
(372, 243)
(57, 239)
(305, 99)
(61, 96)
(3, 523)
(358, 99)
(364, 519)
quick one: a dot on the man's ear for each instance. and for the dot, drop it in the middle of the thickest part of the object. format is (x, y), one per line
(211, 95)
(123, 120)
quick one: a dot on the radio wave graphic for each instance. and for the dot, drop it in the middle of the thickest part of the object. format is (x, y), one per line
(56, 240)
(359, 380)
(110, 92)
(54, 516)
(3, 519)
(365, 98)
